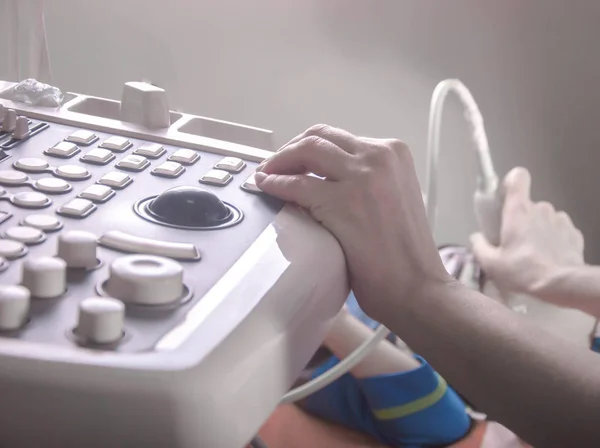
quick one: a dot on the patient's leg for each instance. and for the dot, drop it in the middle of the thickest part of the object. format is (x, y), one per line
(347, 333)
(393, 395)
(290, 427)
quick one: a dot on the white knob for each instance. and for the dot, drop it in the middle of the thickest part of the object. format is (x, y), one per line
(145, 104)
(21, 129)
(101, 320)
(14, 306)
(146, 280)
(10, 121)
(78, 249)
(45, 277)
(2, 113)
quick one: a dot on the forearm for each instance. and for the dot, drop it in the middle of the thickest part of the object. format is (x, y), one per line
(541, 387)
(347, 334)
(576, 287)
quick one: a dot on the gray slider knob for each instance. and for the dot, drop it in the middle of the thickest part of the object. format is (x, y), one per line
(21, 128)
(10, 121)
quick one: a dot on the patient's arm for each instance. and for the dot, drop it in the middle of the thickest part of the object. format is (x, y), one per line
(572, 287)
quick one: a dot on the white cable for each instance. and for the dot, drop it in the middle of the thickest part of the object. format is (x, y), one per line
(339, 369)
(488, 181)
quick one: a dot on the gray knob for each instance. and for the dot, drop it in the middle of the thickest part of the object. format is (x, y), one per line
(10, 121)
(14, 306)
(101, 320)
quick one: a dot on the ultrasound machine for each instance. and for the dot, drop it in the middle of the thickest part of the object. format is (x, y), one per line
(150, 294)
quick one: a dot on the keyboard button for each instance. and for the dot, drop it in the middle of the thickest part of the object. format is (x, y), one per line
(231, 164)
(185, 156)
(82, 137)
(74, 172)
(125, 242)
(98, 156)
(133, 163)
(97, 193)
(77, 208)
(169, 169)
(12, 249)
(115, 179)
(117, 144)
(31, 164)
(250, 185)
(216, 177)
(12, 177)
(25, 235)
(63, 150)
(150, 150)
(47, 223)
(52, 185)
(30, 199)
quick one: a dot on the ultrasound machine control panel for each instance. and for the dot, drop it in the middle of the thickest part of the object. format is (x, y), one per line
(150, 294)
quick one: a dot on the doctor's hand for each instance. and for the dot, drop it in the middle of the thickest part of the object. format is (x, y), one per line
(536, 240)
(367, 195)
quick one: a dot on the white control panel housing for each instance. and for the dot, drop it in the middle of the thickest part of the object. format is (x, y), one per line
(127, 322)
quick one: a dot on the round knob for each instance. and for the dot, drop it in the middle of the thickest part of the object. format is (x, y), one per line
(189, 206)
(14, 306)
(10, 121)
(45, 277)
(145, 280)
(101, 320)
(78, 249)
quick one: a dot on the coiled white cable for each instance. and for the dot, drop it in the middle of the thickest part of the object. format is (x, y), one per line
(488, 182)
(487, 179)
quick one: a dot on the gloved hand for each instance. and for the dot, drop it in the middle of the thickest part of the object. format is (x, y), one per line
(535, 240)
(368, 196)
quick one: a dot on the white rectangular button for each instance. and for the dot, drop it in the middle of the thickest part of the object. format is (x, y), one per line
(231, 164)
(125, 242)
(150, 150)
(98, 156)
(169, 169)
(133, 163)
(216, 177)
(117, 144)
(115, 179)
(185, 156)
(97, 193)
(82, 137)
(250, 185)
(63, 149)
(78, 208)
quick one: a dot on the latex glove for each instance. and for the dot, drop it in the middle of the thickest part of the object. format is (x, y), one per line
(367, 194)
(535, 240)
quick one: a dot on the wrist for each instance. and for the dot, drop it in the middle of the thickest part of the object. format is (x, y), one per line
(402, 300)
(551, 286)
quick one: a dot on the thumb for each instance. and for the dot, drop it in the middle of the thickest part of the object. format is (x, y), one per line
(485, 253)
(301, 189)
(517, 184)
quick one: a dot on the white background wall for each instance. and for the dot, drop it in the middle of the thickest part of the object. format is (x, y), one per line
(369, 66)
